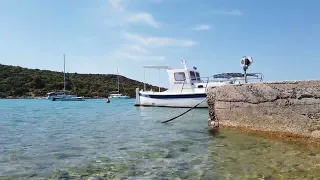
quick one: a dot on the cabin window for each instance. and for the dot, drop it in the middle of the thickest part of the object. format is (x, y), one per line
(198, 76)
(179, 76)
(193, 75)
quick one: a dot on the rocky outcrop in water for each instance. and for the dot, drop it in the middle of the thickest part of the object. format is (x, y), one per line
(286, 108)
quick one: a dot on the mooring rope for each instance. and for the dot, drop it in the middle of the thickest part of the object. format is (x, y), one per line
(124, 113)
(184, 112)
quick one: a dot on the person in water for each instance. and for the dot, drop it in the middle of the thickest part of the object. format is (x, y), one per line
(108, 100)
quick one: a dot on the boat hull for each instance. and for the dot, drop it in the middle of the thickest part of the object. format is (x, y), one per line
(171, 100)
(65, 99)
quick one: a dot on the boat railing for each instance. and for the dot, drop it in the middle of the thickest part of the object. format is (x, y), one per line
(225, 77)
(232, 78)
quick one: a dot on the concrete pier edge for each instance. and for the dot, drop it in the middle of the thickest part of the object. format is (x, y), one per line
(286, 109)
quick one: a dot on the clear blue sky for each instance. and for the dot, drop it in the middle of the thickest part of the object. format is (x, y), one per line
(98, 36)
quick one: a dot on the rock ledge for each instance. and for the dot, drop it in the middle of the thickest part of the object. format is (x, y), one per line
(291, 107)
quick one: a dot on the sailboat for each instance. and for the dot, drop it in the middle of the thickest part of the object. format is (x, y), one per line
(62, 96)
(118, 95)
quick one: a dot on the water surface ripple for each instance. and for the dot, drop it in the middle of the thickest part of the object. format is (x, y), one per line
(43, 139)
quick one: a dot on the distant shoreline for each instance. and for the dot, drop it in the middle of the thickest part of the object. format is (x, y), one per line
(23, 83)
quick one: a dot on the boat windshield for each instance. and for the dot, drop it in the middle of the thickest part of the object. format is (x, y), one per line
(198, 76)
(193, 75)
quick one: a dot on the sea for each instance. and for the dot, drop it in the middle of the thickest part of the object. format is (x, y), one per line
(92, 139)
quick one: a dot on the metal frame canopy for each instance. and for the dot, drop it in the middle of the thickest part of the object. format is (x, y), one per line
(152, 67)
(157, 67)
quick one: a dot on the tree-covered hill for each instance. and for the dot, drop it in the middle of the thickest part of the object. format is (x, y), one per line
(17, 82)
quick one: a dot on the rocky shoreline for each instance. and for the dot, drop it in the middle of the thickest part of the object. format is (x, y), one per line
(288, 109)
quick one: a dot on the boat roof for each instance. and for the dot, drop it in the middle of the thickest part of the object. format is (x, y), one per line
(157, 67)
(167, 68)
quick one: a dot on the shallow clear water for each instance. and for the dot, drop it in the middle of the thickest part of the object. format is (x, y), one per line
(43, 139)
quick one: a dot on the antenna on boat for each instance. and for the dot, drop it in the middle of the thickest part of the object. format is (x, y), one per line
(184, 63)
(144, 79)
(159, 81)
(118, 80)
(245, 63)
(64, 73)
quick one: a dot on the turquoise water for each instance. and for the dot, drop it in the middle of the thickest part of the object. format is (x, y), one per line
(42, 139)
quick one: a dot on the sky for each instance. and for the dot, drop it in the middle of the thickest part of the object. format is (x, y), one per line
(98, 36)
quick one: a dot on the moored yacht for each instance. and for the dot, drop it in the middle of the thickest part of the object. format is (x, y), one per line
(62, 96)
(118, 95)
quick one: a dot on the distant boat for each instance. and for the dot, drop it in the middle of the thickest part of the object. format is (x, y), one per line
(118, 95)
(62, 96)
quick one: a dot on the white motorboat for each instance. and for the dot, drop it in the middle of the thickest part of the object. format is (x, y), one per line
(187, 87)
(62, 96)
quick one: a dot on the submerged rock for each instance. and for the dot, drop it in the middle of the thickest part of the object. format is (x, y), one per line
(105, 171)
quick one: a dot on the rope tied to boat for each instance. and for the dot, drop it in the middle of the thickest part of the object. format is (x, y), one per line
(184, 112)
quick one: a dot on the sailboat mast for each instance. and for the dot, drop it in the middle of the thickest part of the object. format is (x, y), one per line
(118, 81)
(64, 73)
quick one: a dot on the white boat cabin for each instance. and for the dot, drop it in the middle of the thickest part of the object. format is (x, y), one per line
(188, 80)
(185, 80)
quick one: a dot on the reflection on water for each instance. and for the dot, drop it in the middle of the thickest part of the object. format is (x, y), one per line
(83, 140)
